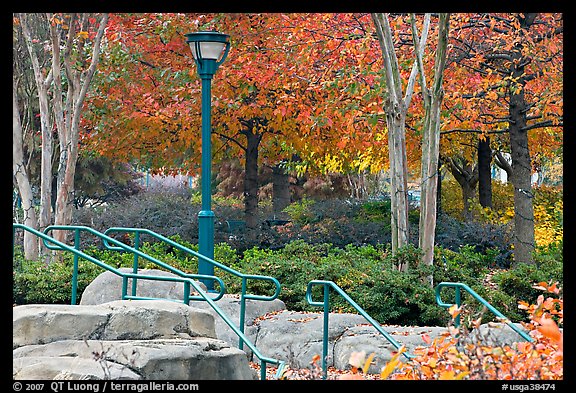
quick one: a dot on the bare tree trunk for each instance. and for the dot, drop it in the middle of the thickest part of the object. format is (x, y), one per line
(484, 175)
(396, 118)
(42, 84)
(68, 117)
(503, 164)
(251, 175)
(280, 191)
(22, 180)
(524, 240)
(466, 175)
(431, 141)
(396, 108)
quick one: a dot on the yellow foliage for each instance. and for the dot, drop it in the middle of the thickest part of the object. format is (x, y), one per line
(548, 208)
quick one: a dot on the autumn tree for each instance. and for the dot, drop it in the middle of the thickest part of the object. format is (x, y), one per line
(23, 180)
(513, 64)
(64, 51)
(268, 102)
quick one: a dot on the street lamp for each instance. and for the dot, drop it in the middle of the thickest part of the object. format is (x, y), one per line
(209, 49)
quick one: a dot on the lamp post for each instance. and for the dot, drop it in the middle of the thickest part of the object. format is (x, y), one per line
(209, 49)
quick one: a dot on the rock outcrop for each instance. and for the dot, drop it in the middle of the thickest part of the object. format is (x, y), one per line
(123, 339)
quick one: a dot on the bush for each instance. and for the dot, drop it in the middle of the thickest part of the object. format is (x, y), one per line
(518, 281)
(42, 283)
(482, 237)
(165, 212)
(337, 221)
(367, 274)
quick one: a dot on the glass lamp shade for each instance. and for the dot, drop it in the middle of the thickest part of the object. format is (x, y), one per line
(208, 50)
(209, 45)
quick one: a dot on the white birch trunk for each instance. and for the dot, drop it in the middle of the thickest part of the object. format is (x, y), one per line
(69, 126)
(42, 83)
(23, 181)
(396, 108)
(431, 142)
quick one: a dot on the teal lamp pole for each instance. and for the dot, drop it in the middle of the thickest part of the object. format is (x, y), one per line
(209, 49)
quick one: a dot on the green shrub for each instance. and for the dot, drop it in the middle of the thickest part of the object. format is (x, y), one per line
(39, 282)
(365, 273)
(518, 281)
(300, 211)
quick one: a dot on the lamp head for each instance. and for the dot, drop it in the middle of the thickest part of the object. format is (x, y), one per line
(209, 49)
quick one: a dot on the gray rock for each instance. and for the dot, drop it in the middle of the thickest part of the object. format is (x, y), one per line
(230, 306)
(496, 334)
(122, 319)
(70, 368)
(367, 339)
(108, 287)
(296, 337)
(155, 359)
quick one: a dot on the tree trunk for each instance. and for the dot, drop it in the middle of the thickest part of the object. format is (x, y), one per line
(395, 119)
(251, 177)
(467, 177)
(47, 151)
(521, 172)
(484, 172)
(468, 192)
(524, 241)
(280, 191)
(439, 190)
(431, 142)
(23, 182)
(396, 107)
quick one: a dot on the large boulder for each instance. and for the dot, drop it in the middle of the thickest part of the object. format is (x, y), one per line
(157, 359)
(108, 287)
(229, 305)
(123, 339)
(67, 367)
(365, 338)
(296, 337)
(117, 320)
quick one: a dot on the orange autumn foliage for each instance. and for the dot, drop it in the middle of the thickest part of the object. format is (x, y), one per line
(453, 356)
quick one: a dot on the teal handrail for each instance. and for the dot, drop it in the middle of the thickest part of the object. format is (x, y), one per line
(326, 304)
(458, 301)
(243, 295)
(61, 246)
(78, 228)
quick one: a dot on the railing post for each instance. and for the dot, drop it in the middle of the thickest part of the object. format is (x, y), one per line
(262, 369)
(187, 293)
(135, 263)
(124, 287)
(325, 335)
(75, 269)
(458, 303)
(242, 312)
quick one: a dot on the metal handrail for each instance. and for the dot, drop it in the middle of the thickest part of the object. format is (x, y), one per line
(263, 360)
(457, 286)
(78, 228)
(243, 295)
(326, 304)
